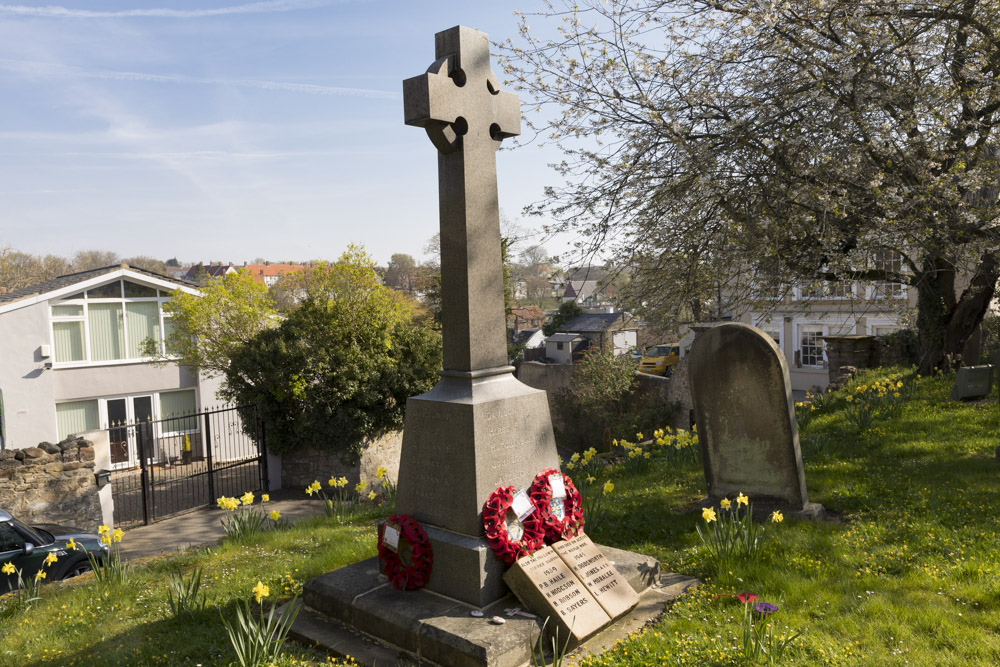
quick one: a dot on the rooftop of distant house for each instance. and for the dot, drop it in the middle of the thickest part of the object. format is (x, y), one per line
(71, 279)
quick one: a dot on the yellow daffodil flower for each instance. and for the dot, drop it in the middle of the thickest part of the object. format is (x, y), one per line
(725, 503)
(265, 498)
(372, 495)
(39, 575)
(608, 487)
(777, 517)
(361, 486)
(380, 472)
(742, 500)
(591, 479)
(72, 544)
(51, 558)
(247, 498)
(342, 482)
(575, 457)
(103, 528)
(570, 466)
(8, 568)
(275, 515)
(118, 534)
(708, 514)
(260, 591)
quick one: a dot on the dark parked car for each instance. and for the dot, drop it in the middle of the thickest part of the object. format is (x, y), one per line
(28, 547)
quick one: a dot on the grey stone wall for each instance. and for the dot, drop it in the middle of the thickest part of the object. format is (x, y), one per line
(51, 484)
(300, 468)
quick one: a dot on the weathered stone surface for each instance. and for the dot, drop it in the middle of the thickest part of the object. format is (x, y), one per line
(547, 586)
(746, 417)
(49, 448)
(443, 631)
(39, 487)
(598, 575)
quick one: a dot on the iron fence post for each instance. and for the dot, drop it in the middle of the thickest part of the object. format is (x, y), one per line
(208, 453)
(144, 479)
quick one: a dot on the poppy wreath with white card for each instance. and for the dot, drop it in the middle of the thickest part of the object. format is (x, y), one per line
(559, 504)
(405, 552)
(512, 536)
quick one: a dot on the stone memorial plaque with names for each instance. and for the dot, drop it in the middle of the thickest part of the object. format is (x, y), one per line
(547, 587)
(598, 574)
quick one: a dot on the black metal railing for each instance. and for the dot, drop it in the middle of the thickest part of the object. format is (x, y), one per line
(183, 462)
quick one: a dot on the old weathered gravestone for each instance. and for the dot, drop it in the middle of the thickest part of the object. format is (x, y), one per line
(746, 419)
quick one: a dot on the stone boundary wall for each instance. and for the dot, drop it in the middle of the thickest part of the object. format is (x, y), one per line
(301, 467)
(52, 484)
(552, 378)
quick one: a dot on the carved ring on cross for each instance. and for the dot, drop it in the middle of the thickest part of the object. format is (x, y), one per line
(447, 137)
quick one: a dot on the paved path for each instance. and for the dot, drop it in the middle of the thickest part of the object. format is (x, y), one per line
(204, 526)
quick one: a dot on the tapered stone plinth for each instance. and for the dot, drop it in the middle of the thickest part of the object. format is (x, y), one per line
(462, 440)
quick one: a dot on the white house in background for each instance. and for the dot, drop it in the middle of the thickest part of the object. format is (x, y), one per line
(798, 322)
(71, 359)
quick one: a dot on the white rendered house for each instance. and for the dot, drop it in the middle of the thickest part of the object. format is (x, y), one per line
(71, 359)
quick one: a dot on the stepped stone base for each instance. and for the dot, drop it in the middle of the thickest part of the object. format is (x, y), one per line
(355, 611)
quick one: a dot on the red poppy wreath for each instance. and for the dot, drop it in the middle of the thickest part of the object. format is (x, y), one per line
(409, 566)
(510, 538)
(561, 519)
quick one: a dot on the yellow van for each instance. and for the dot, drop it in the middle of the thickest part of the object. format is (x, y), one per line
(660, 359)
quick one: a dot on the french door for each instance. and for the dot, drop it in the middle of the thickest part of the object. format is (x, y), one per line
(129, 421)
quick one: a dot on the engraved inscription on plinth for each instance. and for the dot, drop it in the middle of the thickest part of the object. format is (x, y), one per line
(598, 574)
(546, 585)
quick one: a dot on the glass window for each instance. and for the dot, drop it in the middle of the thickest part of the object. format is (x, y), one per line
(174, 404)
(136, 290)
(68, 311)
(168, 328)
(142, 321)
(811, 345)
(68, 339)
(109, 291)
(105, 321)
(76, 417)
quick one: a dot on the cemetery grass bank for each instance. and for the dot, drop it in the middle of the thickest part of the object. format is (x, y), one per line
(906, 574)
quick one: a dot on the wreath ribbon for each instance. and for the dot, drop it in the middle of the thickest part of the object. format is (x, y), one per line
(413, 539)
(557, 528)
(495, 522)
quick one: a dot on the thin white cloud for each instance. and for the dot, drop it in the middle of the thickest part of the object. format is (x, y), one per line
(43, 69)
(55, 11)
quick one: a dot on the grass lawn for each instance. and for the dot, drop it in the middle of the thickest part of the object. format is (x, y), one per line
(907, 574)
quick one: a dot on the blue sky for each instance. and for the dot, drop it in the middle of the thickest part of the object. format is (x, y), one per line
(223, 131)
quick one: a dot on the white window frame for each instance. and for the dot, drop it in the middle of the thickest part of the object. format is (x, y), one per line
(779, 325)
(825, 328)
(162, 296)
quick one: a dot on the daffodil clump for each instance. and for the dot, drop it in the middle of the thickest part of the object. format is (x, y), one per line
(259, 639)
(108, 567)
(676, 446)
(340, 502)
(388, 488)
(586, 464)
(243, 520)
(730, 535)
(872, 403)
(26, 591)
(636, 457)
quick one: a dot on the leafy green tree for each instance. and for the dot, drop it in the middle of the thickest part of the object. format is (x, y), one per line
(206, 331)
(567, 311)
(338, 370)
(779, 143)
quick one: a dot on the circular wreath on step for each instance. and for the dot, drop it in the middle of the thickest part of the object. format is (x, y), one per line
(558, 525)
(409, 567)
(503, 536)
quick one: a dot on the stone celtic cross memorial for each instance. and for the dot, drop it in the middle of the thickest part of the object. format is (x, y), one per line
(479, 428)
(746, 419)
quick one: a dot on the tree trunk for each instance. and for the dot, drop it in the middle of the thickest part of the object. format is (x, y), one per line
(945, 321)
